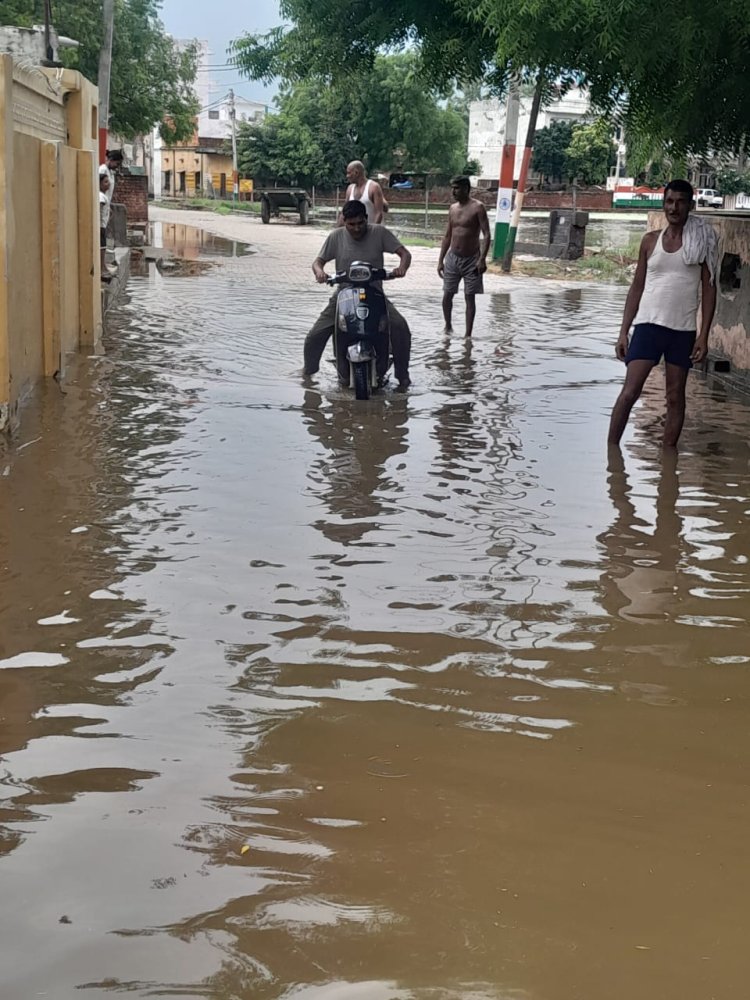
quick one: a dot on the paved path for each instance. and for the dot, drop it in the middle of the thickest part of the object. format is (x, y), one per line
(289, 249)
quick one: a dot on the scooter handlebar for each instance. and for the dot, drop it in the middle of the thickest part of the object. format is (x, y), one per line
(378, 274)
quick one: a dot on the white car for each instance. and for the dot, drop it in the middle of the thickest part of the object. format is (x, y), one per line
(709, 197)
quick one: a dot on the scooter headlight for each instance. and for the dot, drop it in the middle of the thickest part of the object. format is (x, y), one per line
(359, 272)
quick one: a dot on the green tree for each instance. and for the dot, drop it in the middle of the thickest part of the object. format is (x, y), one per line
(152, 79)
(309, 141)
(550, 150)
(590, 153)
(387, 118)
(731, 181)
(677, 75)
(400, 122)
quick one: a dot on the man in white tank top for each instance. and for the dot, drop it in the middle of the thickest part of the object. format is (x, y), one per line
(361, 189)
(675, 265)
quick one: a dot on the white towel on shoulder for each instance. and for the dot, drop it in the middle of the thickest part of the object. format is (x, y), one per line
(700, 243)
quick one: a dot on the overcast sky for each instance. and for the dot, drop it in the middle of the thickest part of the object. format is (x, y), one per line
(219, 21)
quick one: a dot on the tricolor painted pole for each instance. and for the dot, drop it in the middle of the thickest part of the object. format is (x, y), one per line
(105, 72)
(507, 169)
(522, 177)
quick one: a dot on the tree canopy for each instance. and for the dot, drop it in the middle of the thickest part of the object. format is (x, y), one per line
(676, 75)
(590, 153)
(386, 117)
(151, 77)
(550, 150)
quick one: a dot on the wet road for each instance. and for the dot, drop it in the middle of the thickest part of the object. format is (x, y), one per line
(409, 700)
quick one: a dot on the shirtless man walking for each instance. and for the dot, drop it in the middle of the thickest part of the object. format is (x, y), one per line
(368, 192)
(462, 253)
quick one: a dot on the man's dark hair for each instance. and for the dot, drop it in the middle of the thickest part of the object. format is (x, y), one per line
(114, 154)
(680, 187)
(460, 181)
(354, 208)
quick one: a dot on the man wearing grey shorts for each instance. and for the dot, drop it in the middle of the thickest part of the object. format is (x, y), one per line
(463, 252)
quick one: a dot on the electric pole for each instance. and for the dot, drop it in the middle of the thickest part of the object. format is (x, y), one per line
(105, 72)
(235, 173)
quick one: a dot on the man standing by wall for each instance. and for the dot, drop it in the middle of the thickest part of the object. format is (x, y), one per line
(112, 163)
(674, 265)
(463, 255)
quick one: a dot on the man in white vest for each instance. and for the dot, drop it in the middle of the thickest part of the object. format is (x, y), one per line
(361, 189)
(676, 268)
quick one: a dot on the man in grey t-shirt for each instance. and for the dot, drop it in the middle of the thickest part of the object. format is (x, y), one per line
(358, 240)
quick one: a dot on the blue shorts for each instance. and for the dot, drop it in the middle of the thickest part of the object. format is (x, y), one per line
(650, 342)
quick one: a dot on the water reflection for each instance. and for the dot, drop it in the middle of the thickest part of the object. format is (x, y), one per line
(355, 478)
(642, 584)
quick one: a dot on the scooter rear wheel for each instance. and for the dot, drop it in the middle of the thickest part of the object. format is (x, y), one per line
(362, 380)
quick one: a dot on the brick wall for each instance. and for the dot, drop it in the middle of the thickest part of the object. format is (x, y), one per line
(131, 190)
(586, 201)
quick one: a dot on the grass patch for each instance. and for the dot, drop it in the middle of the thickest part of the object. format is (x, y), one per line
(220, 206)
(420, 241)
(614, 265)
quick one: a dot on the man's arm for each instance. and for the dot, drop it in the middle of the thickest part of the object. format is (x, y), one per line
(376, 195)
(446, 244)
(327, 252)
(484, 246)
(708, 308)
(405, 257)
(318, 266)
(634, 296)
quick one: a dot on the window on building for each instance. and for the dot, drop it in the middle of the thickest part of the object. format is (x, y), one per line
(223, 188)
(181, 177)
(167, 181)
(197, 181)
(214, 114)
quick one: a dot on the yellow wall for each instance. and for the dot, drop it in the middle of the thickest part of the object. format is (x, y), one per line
(50, 289)
(177, 160)
(26, 344)
(69, 267)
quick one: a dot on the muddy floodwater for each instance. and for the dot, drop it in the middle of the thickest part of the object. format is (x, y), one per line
(415, 699)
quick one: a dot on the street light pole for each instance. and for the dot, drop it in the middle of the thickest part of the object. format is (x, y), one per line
(235, 173)
(105, 72)
(48, 30)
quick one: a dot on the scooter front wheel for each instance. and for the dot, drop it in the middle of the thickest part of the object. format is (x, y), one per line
(362, 379)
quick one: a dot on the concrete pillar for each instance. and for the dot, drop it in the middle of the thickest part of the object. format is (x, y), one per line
(6, 229)
(81, 110)
(89, 273)
(51, 256)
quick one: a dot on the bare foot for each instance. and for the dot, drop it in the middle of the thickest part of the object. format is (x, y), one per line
(447, 331)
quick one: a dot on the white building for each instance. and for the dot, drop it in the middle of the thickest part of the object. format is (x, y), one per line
(487, 127)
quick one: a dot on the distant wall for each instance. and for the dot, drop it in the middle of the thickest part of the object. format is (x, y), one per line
(586, 201)
(729, 341)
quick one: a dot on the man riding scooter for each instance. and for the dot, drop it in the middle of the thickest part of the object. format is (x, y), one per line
(357, 240)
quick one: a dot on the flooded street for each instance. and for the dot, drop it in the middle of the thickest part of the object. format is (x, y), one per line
(411, 699)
